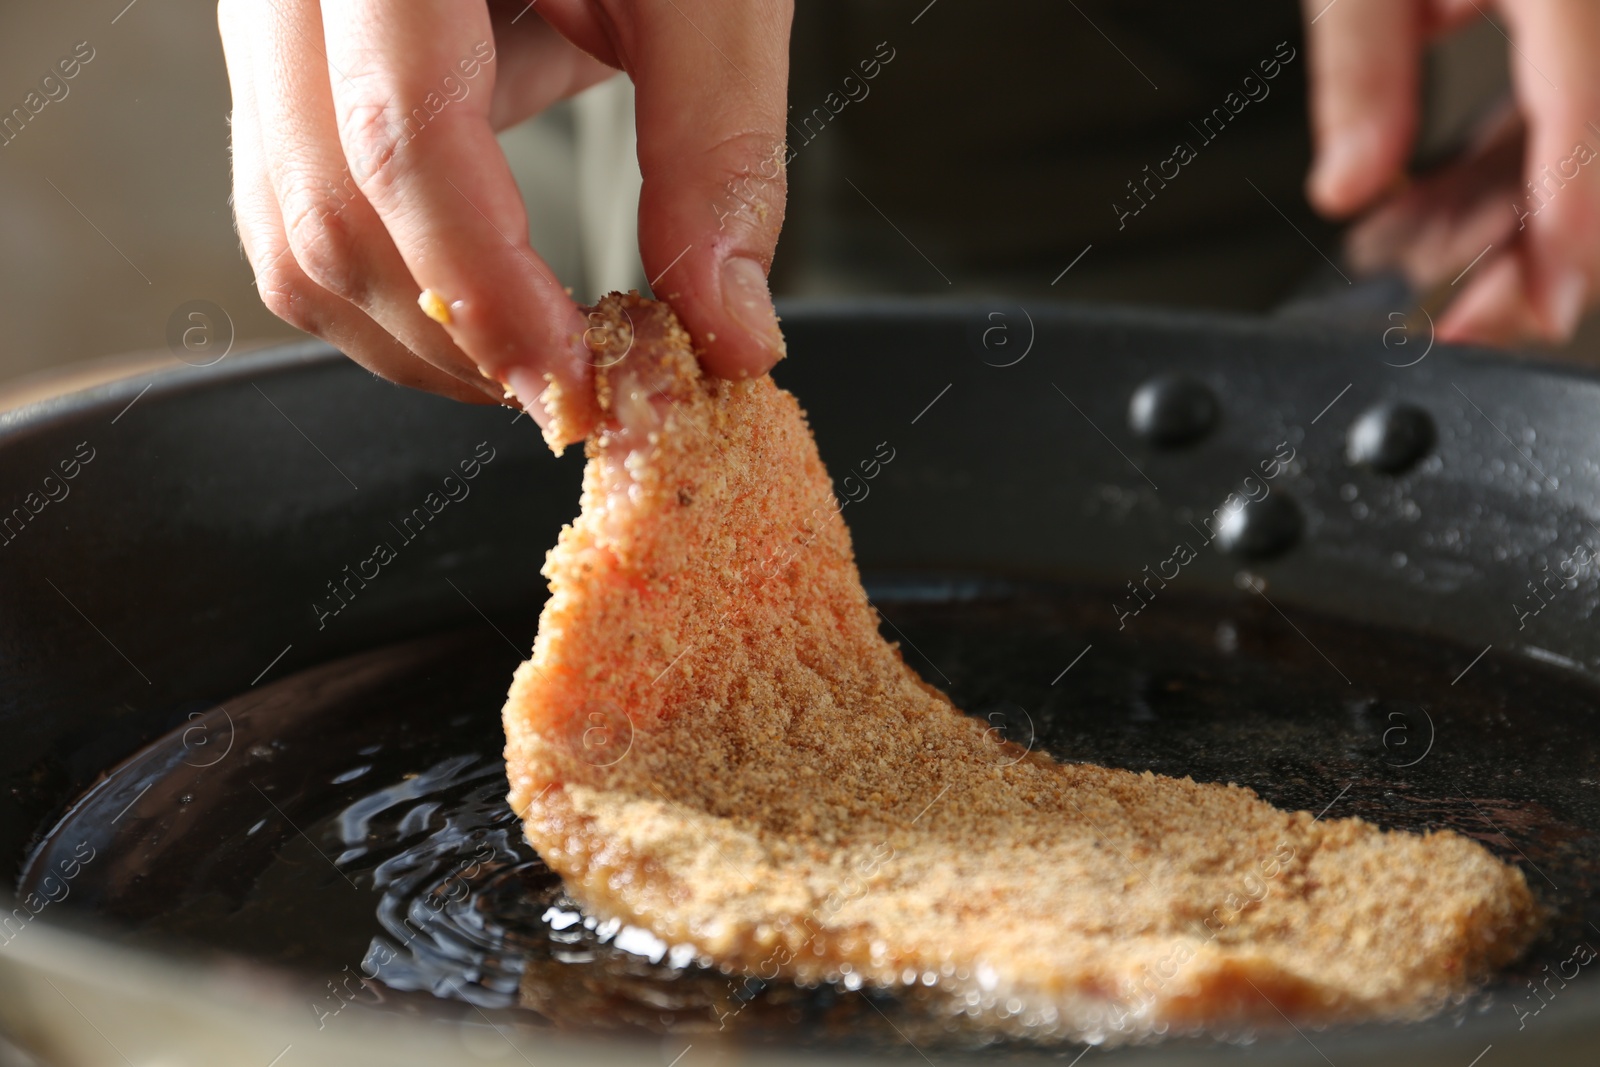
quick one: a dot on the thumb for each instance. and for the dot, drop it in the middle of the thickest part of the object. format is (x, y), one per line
(1365, 69)
(712, 80)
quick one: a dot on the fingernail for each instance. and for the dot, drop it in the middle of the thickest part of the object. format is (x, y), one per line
(1568, 291)
(745, 296)
(528, 386)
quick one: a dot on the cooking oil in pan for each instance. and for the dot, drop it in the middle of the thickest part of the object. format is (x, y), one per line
(348, 824)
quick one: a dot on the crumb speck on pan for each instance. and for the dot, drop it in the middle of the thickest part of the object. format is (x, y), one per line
(794, 801)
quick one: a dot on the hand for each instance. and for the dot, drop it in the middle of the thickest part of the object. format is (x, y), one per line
(1544, 264)
(366, 171)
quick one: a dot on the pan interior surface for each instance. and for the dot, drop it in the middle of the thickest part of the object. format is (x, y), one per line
(177, 607)
(347, 824)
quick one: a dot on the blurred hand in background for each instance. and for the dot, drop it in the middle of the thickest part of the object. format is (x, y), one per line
(366, 171)
(1525, 195)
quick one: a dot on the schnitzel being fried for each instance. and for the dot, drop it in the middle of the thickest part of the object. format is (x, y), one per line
(712, 741)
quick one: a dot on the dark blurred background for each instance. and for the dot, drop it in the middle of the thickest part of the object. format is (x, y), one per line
(983, 157)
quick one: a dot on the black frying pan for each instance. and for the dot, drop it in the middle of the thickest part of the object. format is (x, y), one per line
(1360, 636)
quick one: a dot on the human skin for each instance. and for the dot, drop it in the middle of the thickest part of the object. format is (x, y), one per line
(347, 215)
(1540, 274)
(347, 219)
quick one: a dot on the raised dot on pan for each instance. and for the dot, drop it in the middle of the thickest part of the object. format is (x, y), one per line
(1172, 410)
(1390, 437)
(1262, 528)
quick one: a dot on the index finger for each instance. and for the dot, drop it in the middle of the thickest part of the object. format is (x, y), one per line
(412, 84)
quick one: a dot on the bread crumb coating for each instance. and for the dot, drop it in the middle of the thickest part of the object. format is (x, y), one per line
(712, 741)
